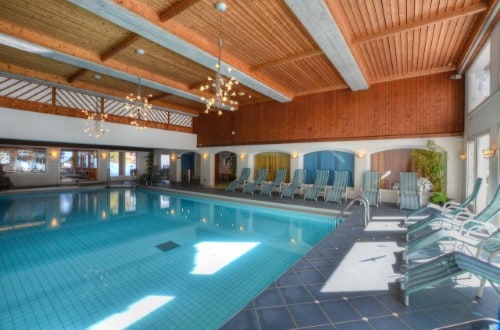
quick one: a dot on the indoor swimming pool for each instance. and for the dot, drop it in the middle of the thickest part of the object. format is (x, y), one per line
(117, 258)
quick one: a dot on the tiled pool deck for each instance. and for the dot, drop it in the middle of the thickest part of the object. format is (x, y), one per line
(358, 291)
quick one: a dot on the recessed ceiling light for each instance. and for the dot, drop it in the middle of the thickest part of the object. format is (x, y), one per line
(140, 51)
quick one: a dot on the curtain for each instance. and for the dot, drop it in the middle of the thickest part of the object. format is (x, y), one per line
(272, 161)
(328, 160)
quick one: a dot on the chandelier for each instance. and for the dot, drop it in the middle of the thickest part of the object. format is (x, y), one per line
(138, 107)
(95, 121)
(221, 88)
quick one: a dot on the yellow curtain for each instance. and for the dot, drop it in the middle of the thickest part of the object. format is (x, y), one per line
(272, 161)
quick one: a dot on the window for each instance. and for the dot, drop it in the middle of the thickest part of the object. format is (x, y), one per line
(21, 159)
(478, 79)
(122, 163)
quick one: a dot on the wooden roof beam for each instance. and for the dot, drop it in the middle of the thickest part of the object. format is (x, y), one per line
(76, 75)
(119, 46)
(288, 59)
(176, 9)
(452, 14)
(158, 96)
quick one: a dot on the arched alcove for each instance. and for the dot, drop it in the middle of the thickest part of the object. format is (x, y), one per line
(328, 160)
(272, 161)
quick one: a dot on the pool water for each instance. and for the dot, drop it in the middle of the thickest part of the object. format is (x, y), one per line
(108, 259)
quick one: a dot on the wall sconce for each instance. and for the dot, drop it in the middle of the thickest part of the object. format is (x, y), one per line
(462, 156)
(173, 157)
(243, 155)
(361, 154)
(489, 153)
(54, 153)
(295, 155)
(104, 155)
(205, 156)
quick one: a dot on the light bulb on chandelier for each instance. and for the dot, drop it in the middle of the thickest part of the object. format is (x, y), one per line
(95, 121)
(222, 88)
(139, 108)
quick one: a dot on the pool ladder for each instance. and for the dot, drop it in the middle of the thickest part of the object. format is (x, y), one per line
(366, 204)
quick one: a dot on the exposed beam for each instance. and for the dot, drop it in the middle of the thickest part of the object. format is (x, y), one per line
(146, 26)
(288, 59)
(316, 17)
(449, 15)
(76, 75)
(42, 45)
(176, 9)
(119, 46)
(158, 96)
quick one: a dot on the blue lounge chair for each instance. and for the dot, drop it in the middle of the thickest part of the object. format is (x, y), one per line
(450, 208)
(270, 186)
(339, 187)
(409, 197)
(370, 188)
(245, 173)
(261, 177)
(479, 234)
(486, 215)
(298, 179)
(447, 267)
(319, 185)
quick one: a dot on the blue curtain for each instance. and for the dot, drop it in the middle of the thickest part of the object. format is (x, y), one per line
(187, 163)
(328, 160)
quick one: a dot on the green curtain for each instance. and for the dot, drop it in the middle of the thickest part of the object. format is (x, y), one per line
(272, 161)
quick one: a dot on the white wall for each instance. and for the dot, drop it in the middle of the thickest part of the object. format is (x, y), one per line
(26, 125)
(452, 145)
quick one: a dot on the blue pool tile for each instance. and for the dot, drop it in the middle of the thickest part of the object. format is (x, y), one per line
(312, 277)
(296, 294)
(340, 311)
(303, 264)
(388, 323)
(270, 297)
(308, 315)
(246, 319)
(315, 290)
(354, 325)
(394, 302)
(451, 315)
(419, 320)
(275, 318)
(322, 263)
(369, 306)
(289, 279)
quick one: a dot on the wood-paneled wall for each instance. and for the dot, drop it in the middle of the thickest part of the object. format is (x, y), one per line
(418, 107)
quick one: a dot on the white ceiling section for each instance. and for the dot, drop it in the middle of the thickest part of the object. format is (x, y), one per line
(113, 12)
(317, 19)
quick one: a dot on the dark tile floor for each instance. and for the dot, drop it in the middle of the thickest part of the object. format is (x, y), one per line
(296, 300)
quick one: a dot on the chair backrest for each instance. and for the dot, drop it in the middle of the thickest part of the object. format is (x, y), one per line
(298, 177)
(261, 175)
(245, 174)
(321, 178)
(491, 210)
(474, 193)
(371, 181)
(280, 175)
(340, 178)
(408, 182)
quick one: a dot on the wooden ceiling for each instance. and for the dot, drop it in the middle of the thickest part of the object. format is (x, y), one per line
(272, 45)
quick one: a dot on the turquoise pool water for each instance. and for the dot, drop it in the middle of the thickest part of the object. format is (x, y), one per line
(108, 259)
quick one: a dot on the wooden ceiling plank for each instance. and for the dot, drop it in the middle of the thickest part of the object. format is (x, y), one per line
(176, 9)
(76, 75)
(119, 46)
(471, 10)
(289, 59)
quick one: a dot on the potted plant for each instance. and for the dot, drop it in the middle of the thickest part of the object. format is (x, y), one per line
(431, 163)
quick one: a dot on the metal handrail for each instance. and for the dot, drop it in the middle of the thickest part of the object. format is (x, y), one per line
(366, 204)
